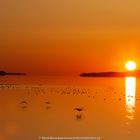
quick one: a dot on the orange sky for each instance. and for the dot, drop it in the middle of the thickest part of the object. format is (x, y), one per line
(68, 36)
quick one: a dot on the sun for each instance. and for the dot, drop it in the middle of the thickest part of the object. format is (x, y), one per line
(131, 65)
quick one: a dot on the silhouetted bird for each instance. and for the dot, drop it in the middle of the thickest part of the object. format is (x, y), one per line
(23, 102)
(47, 102)
(79, 109)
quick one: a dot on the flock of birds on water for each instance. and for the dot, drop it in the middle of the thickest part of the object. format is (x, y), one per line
(35, 90)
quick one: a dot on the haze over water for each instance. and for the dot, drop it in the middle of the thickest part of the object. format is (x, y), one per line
(69, 106)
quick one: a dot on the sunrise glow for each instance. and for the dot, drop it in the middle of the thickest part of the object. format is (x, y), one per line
(131, 65)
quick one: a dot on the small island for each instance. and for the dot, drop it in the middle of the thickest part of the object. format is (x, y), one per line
(112, 74)
(3, 73)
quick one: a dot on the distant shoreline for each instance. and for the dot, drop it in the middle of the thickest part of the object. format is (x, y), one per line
(112, 74)
(3, 73)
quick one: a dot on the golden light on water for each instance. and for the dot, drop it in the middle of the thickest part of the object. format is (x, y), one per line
(130, 97)
(131, 65)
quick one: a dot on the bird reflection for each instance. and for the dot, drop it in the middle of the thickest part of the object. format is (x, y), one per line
(48, 107)
(78, 116)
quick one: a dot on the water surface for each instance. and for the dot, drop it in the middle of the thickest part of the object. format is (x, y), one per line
(35, 106)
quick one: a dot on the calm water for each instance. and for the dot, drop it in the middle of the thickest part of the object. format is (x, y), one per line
(108, 108)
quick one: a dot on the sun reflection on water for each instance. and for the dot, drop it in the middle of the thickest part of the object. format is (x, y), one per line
(130, 97)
